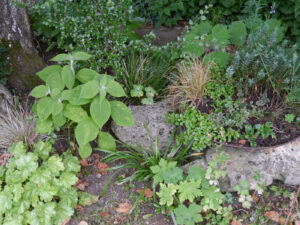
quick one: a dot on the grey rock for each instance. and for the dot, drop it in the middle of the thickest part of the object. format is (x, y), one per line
(163, 35)
(272, 163)
(5, 97)
(153, 117)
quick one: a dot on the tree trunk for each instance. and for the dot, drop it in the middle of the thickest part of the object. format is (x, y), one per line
(15, 35)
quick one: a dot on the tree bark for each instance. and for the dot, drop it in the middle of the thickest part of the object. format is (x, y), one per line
(15, 35)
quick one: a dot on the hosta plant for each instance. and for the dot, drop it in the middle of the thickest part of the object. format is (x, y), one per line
(36, 187)
(79, 98)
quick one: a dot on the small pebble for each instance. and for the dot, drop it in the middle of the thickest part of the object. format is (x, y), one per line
(98, 175)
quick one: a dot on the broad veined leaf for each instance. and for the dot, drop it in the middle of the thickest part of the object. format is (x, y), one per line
(81, 56)
(166, 193)
(85, 75)
(75, 113)
(159, 169)
(68, 196)
(220, 35)
(44, 107)
(62, 57)
(68, 77)
(55, 164)
(106, 141)
(43, 74)
(189, 190)
(173, 175)
(54, 81)
(100, 111)
(42, 149)
(194, 48)
(188, 216)
(85, 150)
(103, 87)
(46, 191)
(43, 126)
(57, 107)
(5, 201)
(27, 164)
(73, 96)
(40, 176)
(90, 89)
(71, 163)
(55, 93)
(43, 214)
(203, 28)
(86, 199)
(13, 219)
(59, 120)
(86, 131)
(63, 212)
(238, 33)
(212, 198)
(137, 91)
(121, 114)
(220, 58)
(40, 91)
(67, 179)
(115, 89)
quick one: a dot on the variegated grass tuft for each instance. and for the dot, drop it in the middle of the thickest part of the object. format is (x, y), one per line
(188, 83)
(17, 125)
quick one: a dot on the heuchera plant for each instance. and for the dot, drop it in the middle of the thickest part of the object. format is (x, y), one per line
(36, 187)
(81, 99)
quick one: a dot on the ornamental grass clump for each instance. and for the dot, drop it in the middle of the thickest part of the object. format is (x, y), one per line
(190, 80)
(17, 125)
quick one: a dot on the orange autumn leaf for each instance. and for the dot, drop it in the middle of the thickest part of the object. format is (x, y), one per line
(242, 142)
(275, 216)
(102, 166)
(148, 192)
(235, 222)
(124, 208)
(85, 163)
(104, 214)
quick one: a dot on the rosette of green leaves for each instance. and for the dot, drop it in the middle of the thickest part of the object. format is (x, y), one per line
(36, 187)
(81, 99)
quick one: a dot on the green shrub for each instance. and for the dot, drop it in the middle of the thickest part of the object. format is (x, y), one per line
(169, 12)
(36, 187)
(100, 27)
(4, 69)
(266, 60)
(81, 99)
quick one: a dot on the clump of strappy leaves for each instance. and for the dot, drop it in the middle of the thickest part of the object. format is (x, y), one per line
(188, 196)
(145, 93)
(80, 99)
(37, 187)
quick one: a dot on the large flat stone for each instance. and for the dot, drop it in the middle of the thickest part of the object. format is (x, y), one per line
(154, 117)
(272, 163)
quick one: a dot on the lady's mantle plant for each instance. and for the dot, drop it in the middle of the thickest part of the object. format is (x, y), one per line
(36, 188)
(79, 98)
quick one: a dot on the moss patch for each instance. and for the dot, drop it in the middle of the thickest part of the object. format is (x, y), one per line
(24, 66)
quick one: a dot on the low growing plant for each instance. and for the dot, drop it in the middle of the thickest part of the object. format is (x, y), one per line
(192, 198)
(79, 98)
(36, 187)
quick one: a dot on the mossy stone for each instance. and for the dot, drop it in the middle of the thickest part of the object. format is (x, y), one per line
(24, 66)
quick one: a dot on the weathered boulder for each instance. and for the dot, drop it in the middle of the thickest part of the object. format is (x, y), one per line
(272, 163)
(5, 97)
(154, 117)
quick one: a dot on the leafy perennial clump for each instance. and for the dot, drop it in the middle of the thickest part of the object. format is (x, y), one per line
(36, 187)
(79, 98)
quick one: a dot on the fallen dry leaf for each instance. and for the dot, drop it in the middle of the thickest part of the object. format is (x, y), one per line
(66, 221)
(80, 185)
(235, 222)
(255, 198)
(124, 208)
(85, 163)
(102, 166)
(148, 193)
(79, 207)
(83, 223)
(242, 142)
(104, 214)
(275, 216)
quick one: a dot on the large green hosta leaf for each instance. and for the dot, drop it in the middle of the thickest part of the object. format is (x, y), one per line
(86, 131)
(100, 111)
(121, 114)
